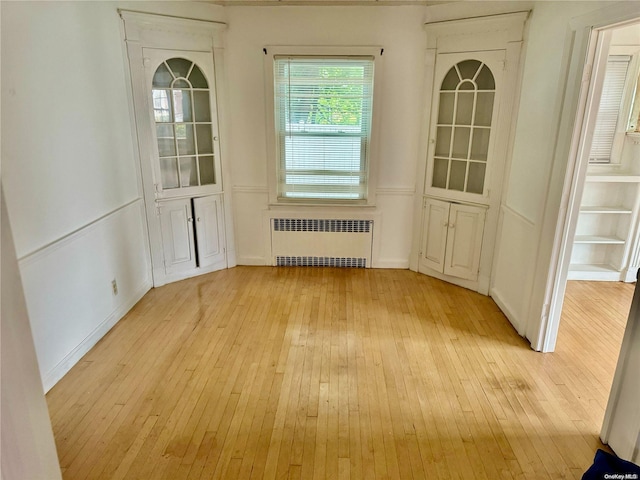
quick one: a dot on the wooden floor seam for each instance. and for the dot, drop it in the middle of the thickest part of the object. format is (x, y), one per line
(328, 373)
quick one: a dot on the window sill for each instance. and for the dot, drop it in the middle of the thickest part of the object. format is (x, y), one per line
(297, 205)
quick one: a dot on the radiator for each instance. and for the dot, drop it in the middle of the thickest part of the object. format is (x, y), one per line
(321, 242)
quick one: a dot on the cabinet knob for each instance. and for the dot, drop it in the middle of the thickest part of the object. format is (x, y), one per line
(452, 225)
(198, 219)
(189, 219)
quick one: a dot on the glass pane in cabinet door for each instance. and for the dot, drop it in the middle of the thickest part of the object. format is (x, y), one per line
(207, 171)
(464, 109)
(188, 172)
(197, 79)
(475, 182)
(440, 167)
(456, 177)
(161, 105)
(485, 79)
(179, 66)
(205, 141)
(181, 83)
(186, 143)
(182, 105)
(169, 173)
(162, 77)
(443, 141)
(480, 144)
(445, 113)
(461, 142)
(166, 140)
(484, 109)
(451, 80)
(201, 106)
(468, 68)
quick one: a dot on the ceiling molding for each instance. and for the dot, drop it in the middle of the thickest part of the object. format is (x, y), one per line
(326, 3)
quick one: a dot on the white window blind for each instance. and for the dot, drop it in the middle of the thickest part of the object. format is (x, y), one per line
(323, 109)
(609, 110)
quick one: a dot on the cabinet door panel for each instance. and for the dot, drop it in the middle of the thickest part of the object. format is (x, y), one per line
(464, 241)
(434, 234)
(209, 229)
(177, 235)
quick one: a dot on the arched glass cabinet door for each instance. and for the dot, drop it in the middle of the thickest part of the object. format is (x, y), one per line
(466, 98)
(184, 120)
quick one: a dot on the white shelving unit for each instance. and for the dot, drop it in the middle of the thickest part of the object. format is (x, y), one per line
(605, 234)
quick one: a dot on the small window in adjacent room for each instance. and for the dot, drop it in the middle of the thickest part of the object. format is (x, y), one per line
(609, 111)
(323, 110)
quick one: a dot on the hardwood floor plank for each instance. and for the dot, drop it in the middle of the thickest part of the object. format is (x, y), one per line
(323, 373)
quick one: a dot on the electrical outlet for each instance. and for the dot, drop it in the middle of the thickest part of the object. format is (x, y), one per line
(114, 286)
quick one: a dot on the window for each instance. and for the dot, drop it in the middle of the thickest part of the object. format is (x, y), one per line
(609, 111)
(323, 110)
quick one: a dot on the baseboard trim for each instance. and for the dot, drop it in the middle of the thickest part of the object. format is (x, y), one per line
(252, 261)
(53, 376)
(402, 264)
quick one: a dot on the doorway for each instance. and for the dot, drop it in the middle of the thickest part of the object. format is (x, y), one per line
(606, 218)
(597, 236)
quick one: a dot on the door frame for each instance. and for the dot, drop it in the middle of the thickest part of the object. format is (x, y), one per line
(145, 30)
(577, 121)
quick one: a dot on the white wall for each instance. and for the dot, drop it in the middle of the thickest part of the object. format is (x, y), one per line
(399, 31)
(522, 251)
(70, 169)
(28, 448)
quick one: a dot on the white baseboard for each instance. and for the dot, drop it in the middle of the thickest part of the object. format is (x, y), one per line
(53, 376)
(402, 264)
(508, 311)
(252, 261)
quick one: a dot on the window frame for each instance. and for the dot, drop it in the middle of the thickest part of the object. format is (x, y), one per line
(273, 154)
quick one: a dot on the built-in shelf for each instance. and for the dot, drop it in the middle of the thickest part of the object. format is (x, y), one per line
(594, 271)
(622, 210)
(592, 267)
(613, 177)
(601, 239)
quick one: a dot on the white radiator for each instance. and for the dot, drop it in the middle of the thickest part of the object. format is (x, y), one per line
(321, 242)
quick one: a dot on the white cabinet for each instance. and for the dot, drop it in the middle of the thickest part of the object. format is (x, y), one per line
(452, 238)
(209, 230)
(176, 220)
(606, 236)
(192, 235)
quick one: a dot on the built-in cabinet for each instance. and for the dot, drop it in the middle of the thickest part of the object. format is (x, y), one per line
(175, 71)
(192, 233)
(452, 239)
(472, 87)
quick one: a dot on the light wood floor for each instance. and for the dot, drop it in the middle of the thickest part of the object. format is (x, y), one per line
(259, 372)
